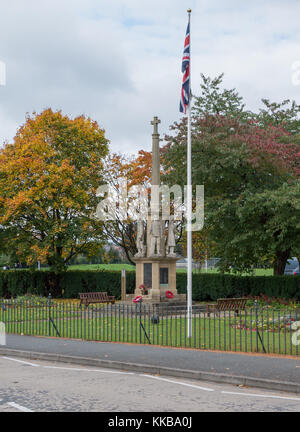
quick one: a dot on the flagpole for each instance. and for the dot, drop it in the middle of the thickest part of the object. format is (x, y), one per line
(189, 203)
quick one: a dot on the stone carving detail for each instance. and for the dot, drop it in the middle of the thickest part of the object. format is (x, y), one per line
(171, 243)
(140, 235)
(156, 234)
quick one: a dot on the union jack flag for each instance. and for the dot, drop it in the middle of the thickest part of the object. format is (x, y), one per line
(185, 89)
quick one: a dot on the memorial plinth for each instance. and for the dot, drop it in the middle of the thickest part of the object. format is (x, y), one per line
(157, 275)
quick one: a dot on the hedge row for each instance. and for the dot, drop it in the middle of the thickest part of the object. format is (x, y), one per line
(205, 286)
(67, 285)
(214, 286)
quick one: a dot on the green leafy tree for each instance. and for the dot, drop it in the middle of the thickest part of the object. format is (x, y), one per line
(284, 114)
(214, 100)
(243, 163)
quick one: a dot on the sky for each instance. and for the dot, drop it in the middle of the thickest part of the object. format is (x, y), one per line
(119, 61)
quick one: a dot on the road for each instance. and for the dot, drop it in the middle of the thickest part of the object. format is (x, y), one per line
(235, 364)
(46, 387)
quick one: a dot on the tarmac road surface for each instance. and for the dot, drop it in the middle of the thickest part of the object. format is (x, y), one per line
(41, 386)
(250, 365)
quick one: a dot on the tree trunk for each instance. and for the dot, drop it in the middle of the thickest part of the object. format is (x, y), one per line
(52, 285)
(280, 261)
(128, 256)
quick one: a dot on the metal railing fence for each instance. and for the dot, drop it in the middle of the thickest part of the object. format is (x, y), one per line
(255, 329)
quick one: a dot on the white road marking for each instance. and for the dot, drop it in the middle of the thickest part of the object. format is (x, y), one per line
(178, 382)
(138, 374)
(21, 361)
(19, 407)
(89, 370)
(260, 395)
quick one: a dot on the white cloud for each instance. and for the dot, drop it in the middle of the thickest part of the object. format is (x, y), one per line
(119, 61)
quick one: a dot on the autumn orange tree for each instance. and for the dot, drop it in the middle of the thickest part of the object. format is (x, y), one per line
(137, 171)
(48, 181)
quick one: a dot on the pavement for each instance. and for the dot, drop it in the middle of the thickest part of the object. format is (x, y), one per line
(271, 372)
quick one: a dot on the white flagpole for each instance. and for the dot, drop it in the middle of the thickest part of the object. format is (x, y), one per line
(189, 205)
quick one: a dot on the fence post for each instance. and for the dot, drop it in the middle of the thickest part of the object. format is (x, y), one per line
(141, 324)
(2, 334)
(49, 310)
(257, 332)
(123, 285)
(50, 318)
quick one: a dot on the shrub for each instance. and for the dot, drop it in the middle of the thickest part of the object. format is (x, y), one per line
(208, 287)
(214, 286)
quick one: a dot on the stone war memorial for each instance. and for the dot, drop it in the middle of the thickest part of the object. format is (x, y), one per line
(155, 241)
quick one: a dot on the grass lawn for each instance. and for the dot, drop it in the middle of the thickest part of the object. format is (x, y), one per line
(119, 267)
(102, 267)
(257, 272)
(103, 323)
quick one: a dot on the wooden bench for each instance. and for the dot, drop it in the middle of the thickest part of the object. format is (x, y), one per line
(227, 304)
(95, 297)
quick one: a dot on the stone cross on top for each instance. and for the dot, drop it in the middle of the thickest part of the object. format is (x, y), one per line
(155, 122)
(155, 153)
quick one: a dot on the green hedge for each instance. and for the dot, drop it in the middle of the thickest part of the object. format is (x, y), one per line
(214, 286)
(205, 286)
(67, 285)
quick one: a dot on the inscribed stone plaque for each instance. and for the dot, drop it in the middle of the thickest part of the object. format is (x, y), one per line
(164, 276)
(148, 275)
